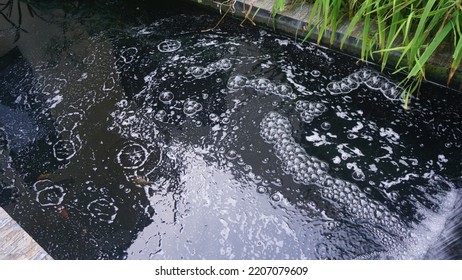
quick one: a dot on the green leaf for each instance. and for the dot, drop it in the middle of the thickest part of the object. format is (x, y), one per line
(431, 49)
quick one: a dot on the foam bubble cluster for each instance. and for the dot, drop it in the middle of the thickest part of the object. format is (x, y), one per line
(169, 46)
(356, 203)
(309, 110)
(166, 97)
(305, 169)
(261, 85)
(373, 80)
(191, 107)
(134, 124)
(199, 72)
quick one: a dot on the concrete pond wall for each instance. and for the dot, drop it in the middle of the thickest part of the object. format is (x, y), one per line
(293, 23)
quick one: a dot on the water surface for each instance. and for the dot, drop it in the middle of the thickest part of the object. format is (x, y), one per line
(143, 137)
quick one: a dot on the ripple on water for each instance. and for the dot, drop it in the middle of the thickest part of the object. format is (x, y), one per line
(132, 156)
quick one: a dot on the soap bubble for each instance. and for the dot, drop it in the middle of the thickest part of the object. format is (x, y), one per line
(260, 84)
(261, 189)
(276, 197)
(231, 154)
(224, 64)
(306, 116)
(326, 125)
(309, 110)
(160, 115)
(364, 74)
(392, 93)
(285, 90)
(315, 73)
(351, 83)
(214, 117)
(197, 71)
(166, 97)
(237, 82)
(334, 88)
(358, 175)
(211, 68)
(375, 82)
(232, 50)
(191, 107)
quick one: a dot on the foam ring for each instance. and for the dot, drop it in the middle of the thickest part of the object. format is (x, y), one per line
(132, 156)
(48, 193)
(334, 88)
(64, 150)
(169, 46)
(103, 209)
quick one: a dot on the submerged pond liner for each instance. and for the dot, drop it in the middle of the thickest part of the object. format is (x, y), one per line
(154, 140)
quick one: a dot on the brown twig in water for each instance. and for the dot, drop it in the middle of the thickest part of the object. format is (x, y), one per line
(230, 4)
(247, 13)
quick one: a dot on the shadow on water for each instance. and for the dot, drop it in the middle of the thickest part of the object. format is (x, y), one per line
(135, 135)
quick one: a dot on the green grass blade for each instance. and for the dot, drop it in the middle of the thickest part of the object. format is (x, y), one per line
(353, 23)
(457, 58)
(431, 49)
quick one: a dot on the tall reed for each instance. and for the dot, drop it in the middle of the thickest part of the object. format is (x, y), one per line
(414, 29)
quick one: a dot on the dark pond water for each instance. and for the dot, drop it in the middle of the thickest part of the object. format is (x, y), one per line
(126, 132)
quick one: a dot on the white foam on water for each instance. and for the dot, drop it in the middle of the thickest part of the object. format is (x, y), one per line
(386, 184)
(191, 107)
(391, 136)
(309, 110)
(357, 128)
(64, 150)
(103, 209)
(169, 46)
(317, 139)
(283, 43)
(426, 234)
(358, 173)
(132, 156)
(48, 193)
(347, 152)
(373, 80)
(55, 101)
(277, 130)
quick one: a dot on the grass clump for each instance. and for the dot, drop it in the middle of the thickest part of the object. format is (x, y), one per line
(413, 29)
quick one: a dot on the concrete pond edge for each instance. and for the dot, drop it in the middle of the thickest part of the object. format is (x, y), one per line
(293, 23)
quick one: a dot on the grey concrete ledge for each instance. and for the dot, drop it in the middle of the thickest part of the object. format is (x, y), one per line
(16, 244)
(294, 24)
